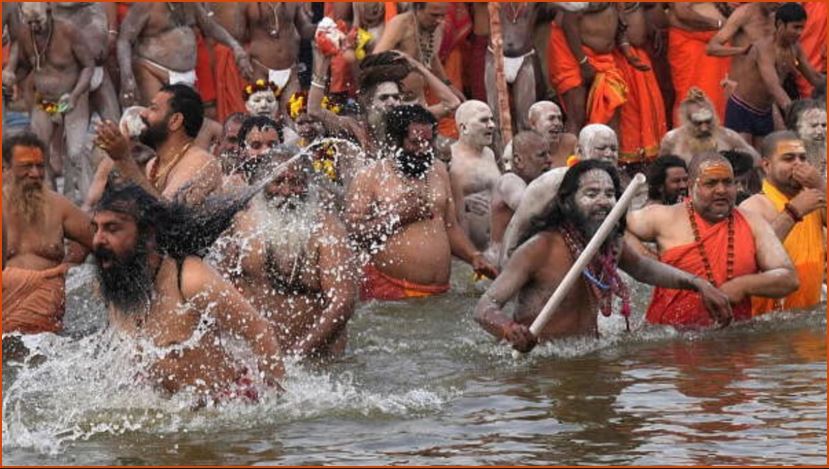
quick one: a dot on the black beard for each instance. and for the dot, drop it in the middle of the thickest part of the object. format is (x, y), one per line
(128, 283)
(154, 135)
(413, 165)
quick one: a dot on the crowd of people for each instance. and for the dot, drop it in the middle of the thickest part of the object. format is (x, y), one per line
(258, 169)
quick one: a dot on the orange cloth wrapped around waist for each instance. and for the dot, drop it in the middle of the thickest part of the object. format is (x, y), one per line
(379, 286)
(229, 98)
(813, 43)
(643, 116)
(691, 66)
(807, 250)
(205, 81)
(684, 307)
(33, 300)
(608, 91)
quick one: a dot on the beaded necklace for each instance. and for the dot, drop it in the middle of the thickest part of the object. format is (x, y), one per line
(729, 270)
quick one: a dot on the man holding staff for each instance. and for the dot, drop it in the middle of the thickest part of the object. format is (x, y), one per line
(587, 194)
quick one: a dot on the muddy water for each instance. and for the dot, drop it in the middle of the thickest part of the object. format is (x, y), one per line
(422, 384)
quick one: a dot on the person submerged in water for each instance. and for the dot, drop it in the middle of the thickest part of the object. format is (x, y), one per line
(159, 293)
(586, 196)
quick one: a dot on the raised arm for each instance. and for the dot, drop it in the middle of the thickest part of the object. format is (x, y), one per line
(392, 34)
(304, 25)
(319, 78)
(537, 197)
(717, 46)
(209, 293)
(76, 223)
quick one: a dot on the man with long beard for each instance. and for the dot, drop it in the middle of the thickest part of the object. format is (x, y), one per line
(807, 117)
(174, 305)
(793, 201)
(701, 131)
(709, 237)
(36, 221)
(587, 194)
(291, 257)
(180, 170)
(400, 210)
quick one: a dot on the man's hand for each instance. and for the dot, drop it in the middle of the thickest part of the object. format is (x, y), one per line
(733, 291)
(129, 91)
(520, 337)
(10, 82)
(66, 103)
(637, 63)
(110, 139)
(483, 267)
(716, 302)
(477, 204)
(588, 74)
(807, 201)
(808, 176)
(243, 62)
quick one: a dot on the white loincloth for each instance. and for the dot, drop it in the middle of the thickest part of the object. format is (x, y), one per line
(512, 65)
(173, 77)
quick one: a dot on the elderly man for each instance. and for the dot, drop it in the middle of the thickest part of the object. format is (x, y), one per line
(702, 236)
(401, 210)
(700, 131)
(587, 194)
(545, 118)
(292, 258)
(793, 200)
(158, 292)
(808, 118)
(36, 221)
(596, 142)
(180, 170)
(62, 66)
(531, 157)
(473, 171)
(164, 50)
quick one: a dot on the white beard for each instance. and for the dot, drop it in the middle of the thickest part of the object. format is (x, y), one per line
(287, 227)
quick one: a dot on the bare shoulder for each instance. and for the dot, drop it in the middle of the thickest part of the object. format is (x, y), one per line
(670, 138)
(760, 204)
(59, 202)
(755, 220)
(569, 140)
(197, 277)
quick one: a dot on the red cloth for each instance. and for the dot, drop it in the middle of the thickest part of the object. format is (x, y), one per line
(475, 67)
(813, 42)
(229, 98)
(691, 66)
(684, 308)
(643, 115)
(121, 11)
(456, 28)
(379, 286)
(33, 300)
(205, 82)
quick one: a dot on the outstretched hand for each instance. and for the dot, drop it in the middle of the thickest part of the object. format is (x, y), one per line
(520, 337)
(637, 63)
(110, 139)
(716, 302)
(483, 267)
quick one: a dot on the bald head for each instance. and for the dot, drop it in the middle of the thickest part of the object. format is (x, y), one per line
(530, 155)
(598, 142)
(545, 117)
(701, 161)
(476, 124)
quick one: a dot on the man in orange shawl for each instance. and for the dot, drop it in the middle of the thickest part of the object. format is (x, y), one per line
(813, 42)
(456, 28)
(595, 102)
(692, 27)
(793, 200)
(736, 251)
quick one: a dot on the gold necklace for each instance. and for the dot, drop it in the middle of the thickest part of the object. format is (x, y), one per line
(158, 175)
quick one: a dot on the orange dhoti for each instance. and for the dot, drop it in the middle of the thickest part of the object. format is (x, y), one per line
(33, 300)
(643, 115)
(609, 90)
(205, 81)
(813, 42)
(379, 286)
(684, 308)
(229, 83)
(691, 66)
(807, 250)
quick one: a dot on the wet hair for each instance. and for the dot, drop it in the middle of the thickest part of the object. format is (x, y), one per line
(187, 101)
(400, 118)
(258, 123)
(658, 173)
(180, 230)
(705, 157)
(379, 68)
(23, 139)
(789, 12)
(769, 146)
(741, 162)
(563, 208)
(797, 109)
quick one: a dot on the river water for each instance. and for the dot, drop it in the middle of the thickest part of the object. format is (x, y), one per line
(422, 384)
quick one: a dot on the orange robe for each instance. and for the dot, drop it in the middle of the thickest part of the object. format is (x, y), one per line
(684, 308)
(807, 250)
(691, 66)
(643, 115)
(813, 42)
(229, 97)
(609, 90)
(456, 28)
(33, 300)
(205, 81)
(379, 286)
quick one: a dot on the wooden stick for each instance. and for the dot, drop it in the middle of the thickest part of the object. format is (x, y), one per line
(586, 256)
(497, 44)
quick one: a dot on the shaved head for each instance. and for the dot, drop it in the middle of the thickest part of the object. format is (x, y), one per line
(469, 109)
(598, 142)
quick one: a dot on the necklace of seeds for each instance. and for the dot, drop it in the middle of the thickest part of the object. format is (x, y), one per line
(38, 53)
(427, 51)
(729, 269)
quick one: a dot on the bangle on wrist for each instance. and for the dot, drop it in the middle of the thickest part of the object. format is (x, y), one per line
(317, 84)
(583, 60)
(792, 213)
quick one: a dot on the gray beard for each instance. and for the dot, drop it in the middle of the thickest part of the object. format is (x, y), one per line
(816, 154)
(287, 226)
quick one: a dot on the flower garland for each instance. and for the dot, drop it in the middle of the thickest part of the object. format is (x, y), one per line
(261, 85)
